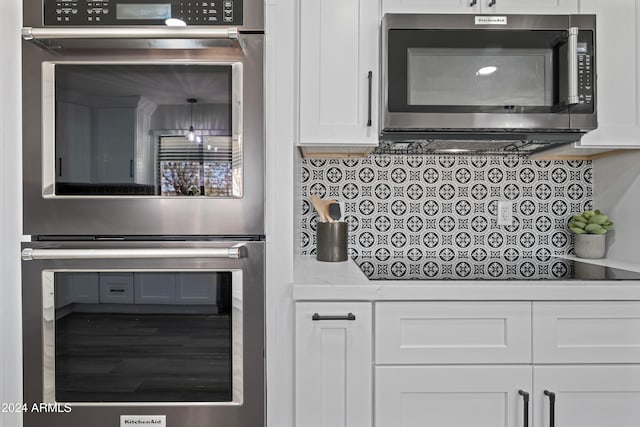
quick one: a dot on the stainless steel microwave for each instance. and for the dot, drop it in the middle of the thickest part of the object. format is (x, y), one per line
(488, 77)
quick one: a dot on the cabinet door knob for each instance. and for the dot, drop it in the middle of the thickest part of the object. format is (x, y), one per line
(473, 3)
(525, 411)
(552, 407)
(349, 316)
(492, 3)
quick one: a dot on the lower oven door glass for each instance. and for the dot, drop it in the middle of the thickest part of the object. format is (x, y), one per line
(143, 336)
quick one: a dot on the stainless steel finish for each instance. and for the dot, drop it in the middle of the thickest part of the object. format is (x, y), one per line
(252, 15)
(332, 240)
(132, 37)
(572, 52)
(45, 214)
(247, 408)
(478, 125)
(30, 254)
(30, 33)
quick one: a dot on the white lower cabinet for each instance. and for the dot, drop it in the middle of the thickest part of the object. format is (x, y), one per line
(446, 396)
(333, 365)
(464, 364)
(587, 396)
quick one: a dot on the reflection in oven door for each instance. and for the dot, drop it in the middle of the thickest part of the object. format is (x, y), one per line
(170, 328)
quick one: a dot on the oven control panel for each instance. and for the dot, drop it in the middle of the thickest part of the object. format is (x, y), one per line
(141, 12)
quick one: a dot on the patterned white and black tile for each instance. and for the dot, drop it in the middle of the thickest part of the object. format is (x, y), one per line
(428, 212)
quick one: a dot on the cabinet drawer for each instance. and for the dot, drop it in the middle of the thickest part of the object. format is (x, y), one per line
(586, 332)
(448, 396)
(452, 332)
(116, 288)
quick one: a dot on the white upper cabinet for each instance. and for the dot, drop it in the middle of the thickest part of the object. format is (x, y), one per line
(339, 72)
(550, 7)
(618, 91)
(481, 6)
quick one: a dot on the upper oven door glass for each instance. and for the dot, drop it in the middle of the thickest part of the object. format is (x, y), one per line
(143, 130)
(477, 71)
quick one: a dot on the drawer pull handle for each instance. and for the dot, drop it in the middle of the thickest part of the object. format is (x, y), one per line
(552, 407)
(525, 398)
(349, 316)
(116, 290)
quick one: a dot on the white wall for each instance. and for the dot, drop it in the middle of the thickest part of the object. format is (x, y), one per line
(280, 45)
(10, 210)
(616, 192)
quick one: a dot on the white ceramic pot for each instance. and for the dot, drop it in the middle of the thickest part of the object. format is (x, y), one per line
(590, 245)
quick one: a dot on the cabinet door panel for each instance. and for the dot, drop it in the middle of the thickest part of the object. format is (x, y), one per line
(453, 332)
(407, 396)
(588, 396)
(338, 48)
(333, 366)
(196, 288)
(85, 288)
(432, 6)
(586, 332)
(155, 288)
(533, 7)
(618, 89)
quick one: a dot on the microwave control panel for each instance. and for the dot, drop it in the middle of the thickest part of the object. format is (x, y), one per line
(83, 13)
(586, 73)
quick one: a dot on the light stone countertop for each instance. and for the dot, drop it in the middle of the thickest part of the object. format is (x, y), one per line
(343, 281)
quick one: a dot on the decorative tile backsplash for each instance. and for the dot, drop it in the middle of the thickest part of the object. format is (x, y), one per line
(444, 207)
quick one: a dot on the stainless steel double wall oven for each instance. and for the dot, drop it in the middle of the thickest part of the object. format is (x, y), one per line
(143, 148)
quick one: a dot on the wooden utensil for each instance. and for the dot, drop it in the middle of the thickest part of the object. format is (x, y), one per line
(318, 205)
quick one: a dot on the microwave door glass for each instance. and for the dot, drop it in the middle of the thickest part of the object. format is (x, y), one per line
(139, 130)
(491, 71)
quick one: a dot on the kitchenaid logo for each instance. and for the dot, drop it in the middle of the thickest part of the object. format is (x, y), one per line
(143, 420)
(491, 20)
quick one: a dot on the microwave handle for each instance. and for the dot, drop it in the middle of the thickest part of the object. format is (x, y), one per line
(234, 252)
(572, 48)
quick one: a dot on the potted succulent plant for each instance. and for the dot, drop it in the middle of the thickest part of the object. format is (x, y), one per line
(590, 228)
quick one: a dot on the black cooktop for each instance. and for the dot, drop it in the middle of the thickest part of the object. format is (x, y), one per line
(490, 269)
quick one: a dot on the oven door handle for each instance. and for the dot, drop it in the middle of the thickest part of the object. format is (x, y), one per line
(30, 33)
(235, 252)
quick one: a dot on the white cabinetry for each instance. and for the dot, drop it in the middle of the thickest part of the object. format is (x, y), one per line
(461, 363)
(74, 156)
(588, 396)
(115, 144)
(196, 288)
(338, 75)
(333, 365)
(85, 288)
(479, 396)
(116, 288)
(154, 288)
(76, 288)
(586, 332)
(481, 6)
(618, 84)
(453, 332)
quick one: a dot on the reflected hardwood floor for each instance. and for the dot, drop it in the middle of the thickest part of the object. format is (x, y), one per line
(143, 358)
